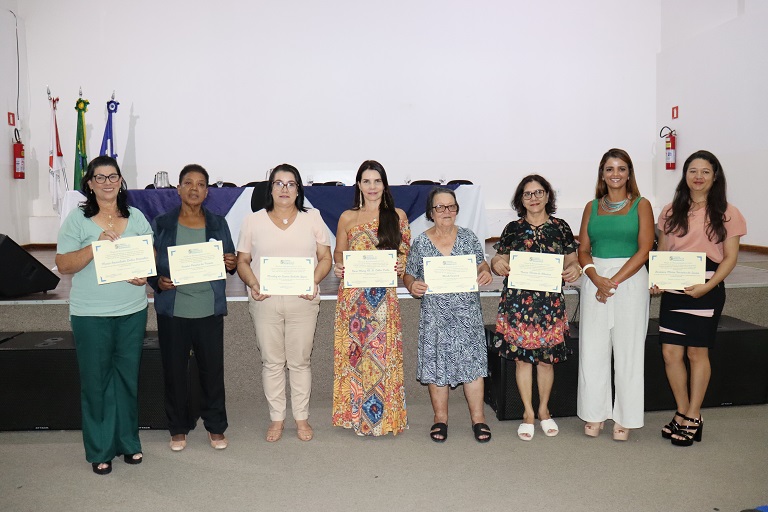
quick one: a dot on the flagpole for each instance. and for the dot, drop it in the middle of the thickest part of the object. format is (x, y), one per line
(81, 157)
(108, 141)
(57, 176)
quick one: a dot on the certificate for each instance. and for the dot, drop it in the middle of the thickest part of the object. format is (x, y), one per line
(196, 263)
(671, 270)
(123, 259)
(535, 271)
(370, 269)
(287, 276)
(450, 274)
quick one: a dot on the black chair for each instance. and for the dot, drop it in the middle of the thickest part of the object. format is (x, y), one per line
(424, 182)
(150, 186)
(328, 184)
(225, 184)
(460, 182)
(259, 196)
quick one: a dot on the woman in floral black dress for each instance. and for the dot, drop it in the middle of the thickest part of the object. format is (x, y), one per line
(531, 326)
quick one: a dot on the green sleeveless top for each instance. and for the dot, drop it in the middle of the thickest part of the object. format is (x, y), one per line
(614, 236)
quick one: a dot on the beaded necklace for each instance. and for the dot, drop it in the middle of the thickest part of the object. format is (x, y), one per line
(611, 207)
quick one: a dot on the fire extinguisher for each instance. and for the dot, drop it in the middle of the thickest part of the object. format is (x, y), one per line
(18, 157)
(671, 142)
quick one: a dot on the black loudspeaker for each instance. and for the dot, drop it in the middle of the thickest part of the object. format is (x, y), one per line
(739, 372)
(20, 272)
(501, 388)
(40, 383)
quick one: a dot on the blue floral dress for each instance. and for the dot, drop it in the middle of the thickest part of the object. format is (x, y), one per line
(532, 326)
(451, 335)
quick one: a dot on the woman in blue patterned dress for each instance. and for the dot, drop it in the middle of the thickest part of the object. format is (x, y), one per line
(451, 335)
(531, 326)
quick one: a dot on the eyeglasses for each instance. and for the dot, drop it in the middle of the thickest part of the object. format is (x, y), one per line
(539, 193)
(279, 185)
(440, 208)
(100, 178)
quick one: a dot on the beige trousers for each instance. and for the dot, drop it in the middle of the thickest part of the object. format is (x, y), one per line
(285, 331)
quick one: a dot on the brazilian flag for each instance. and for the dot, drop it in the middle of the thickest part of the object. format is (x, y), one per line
(81, 158)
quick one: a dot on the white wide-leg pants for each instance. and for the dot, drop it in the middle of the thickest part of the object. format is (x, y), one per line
(619, 326)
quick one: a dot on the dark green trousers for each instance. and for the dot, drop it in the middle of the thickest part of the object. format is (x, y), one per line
(108, 355)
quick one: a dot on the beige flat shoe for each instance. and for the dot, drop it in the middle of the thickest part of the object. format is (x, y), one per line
(180, 444)
(218, 444)
(305, 434)
(275, 434)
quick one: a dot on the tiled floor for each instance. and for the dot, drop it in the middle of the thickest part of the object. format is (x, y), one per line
(750, 272)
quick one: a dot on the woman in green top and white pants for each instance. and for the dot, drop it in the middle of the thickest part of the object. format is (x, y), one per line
(617, 232)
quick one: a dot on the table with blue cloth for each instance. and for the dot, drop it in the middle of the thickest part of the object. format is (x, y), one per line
(234, 203)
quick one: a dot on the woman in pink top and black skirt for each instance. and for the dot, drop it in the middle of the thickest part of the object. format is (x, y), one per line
(699, 219)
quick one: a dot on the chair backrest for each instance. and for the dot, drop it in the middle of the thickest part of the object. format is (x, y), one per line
(423, 182)
(227, 184)
(151, 185)
(259, 196)
(460, 182)
(328, 184)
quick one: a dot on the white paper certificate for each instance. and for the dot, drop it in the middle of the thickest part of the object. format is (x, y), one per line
(370, 269)
(287, 276)
(450, 274)
(123, 259)
(197, 263)
(535, 271)
(671, 270)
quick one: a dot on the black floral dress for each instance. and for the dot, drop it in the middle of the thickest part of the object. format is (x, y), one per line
(532, 326)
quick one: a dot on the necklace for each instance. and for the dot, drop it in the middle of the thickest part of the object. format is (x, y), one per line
(110, 225)
(611, 207)
(287, 219)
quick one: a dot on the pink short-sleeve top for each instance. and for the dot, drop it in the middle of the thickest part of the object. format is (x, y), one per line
(696, 239)
(260, 237)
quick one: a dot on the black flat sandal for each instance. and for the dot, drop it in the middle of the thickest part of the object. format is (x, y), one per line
(439, 432)
(689, 433)
(102, 471)
(671, 427)
(129, 458)
(482, 432)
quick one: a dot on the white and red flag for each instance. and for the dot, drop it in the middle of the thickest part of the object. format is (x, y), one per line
(57, 179)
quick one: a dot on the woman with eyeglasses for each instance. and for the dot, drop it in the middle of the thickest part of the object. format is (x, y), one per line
(532, 326)
(452, 347)
(368, 390)
(615, 237)
(108, 320)
(191, 316)
(284, 324)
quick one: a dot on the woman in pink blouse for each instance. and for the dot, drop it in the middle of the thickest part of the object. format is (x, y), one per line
(699, 219)
(285, 324)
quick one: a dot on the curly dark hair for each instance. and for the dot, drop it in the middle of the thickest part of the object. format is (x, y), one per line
(676, 221)
(90, 206)
(517, 199)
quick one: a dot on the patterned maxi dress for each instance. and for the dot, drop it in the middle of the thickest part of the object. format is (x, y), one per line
(368, 391)
(451, 335)
(532, 326)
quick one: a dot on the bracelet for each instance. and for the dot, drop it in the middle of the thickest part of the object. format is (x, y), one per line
(588, 265)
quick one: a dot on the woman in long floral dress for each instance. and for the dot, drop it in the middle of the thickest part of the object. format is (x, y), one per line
(532, 326)
(368, 391)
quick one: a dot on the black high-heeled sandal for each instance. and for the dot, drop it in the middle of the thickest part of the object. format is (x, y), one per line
(689, 433)
(129, 458)
(671, 427)
(102, 471)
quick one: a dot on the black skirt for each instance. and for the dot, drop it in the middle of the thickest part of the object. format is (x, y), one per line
(678, 314)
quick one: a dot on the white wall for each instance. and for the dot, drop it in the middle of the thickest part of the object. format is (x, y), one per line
(713, 66)
(487, 90)
(14, 194)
